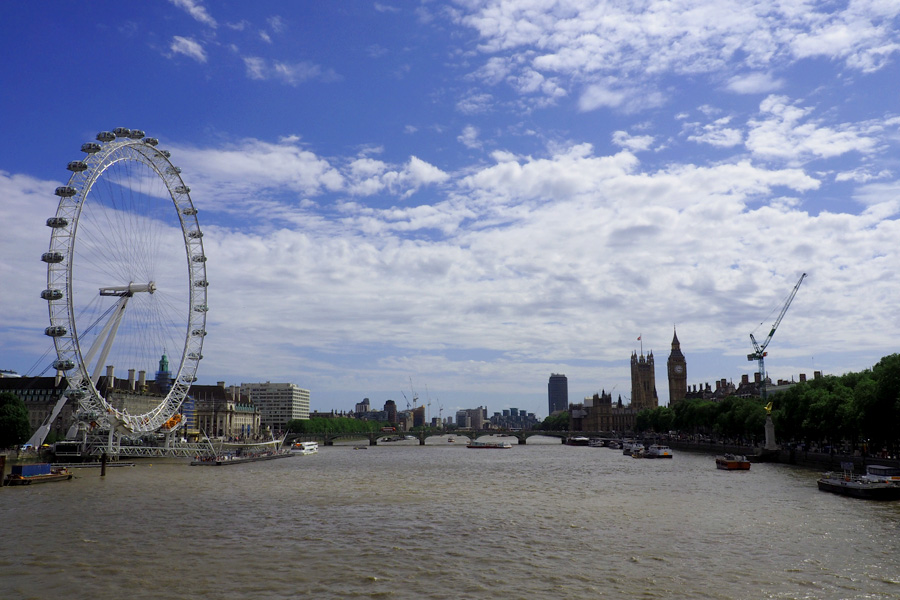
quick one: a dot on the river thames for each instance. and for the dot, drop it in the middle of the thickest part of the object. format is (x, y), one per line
(402, 521)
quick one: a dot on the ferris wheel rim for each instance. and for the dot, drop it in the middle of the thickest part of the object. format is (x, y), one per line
(123, 145)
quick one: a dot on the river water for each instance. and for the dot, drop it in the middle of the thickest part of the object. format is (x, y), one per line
(401, 521)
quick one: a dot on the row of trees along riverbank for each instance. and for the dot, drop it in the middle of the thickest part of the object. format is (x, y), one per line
(856, 410)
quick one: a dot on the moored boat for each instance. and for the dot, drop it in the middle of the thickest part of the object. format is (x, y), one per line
(732, 462)
(495, 445)
(579, 440)
(233, 458)
(304, 448)
(638, 450)
(36, 473)
(880, 482)
(658, 451)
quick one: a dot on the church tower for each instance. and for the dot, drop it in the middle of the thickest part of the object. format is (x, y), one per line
(643, 382)
(677, 373)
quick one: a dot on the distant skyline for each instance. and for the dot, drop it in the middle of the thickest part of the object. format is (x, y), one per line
(477, 194)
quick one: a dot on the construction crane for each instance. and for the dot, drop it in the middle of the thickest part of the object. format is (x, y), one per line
(760, 349)
(414, 395)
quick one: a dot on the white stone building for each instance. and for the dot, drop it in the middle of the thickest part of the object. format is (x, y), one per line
(278, 403)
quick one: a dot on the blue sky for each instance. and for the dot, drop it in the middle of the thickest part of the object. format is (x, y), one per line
(477, 194)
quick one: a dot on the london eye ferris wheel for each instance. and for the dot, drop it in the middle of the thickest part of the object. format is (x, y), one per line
(126, 284)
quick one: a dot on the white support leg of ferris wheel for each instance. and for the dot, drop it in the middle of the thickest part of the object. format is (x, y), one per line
(106, 337)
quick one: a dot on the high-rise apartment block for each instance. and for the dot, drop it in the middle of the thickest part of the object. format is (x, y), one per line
(557, 393)
(278, 403)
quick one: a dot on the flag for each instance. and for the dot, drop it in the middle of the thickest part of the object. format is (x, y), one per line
(639, 338)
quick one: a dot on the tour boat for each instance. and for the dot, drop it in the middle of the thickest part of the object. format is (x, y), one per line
(732, 462)
(474, 444)
(638, 450)
(233, 458)
(36, 473)
(880, 482)
(232, 453)
(658, 451)
(304, 448)
(578, 441)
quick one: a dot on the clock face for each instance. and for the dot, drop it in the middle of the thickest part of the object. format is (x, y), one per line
(678, 368)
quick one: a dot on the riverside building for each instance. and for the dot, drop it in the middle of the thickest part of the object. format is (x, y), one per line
(557, 393)
(278, 403)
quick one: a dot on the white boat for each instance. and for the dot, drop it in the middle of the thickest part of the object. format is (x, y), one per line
(578, 441)
(658, 451)
(638, 450)
(305, 447)
(474, 444)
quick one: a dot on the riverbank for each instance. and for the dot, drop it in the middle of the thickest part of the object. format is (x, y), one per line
(802, 458)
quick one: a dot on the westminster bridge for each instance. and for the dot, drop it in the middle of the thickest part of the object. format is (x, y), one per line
(373, 437)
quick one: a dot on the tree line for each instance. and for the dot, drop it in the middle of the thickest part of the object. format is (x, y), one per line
(857, 408)
(334, 425)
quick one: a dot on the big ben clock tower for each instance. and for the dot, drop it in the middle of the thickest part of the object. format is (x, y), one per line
(677, 373)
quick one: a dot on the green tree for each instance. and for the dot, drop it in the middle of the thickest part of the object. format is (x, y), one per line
(14, 426)
(558, 422)
(660, 419)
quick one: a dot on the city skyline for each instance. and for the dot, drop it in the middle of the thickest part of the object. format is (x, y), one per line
(476, 195)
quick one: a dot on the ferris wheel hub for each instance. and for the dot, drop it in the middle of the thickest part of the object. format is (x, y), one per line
(128, 290)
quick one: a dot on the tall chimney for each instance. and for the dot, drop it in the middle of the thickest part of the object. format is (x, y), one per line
(142, 379)
(131, 379)
(110, 380)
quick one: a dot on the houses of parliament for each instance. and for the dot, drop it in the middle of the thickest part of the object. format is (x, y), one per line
(600, 413)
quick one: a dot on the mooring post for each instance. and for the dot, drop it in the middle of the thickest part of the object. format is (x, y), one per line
(103, 464)
(2, 469)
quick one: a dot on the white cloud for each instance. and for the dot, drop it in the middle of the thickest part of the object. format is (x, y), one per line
(754, 83)
(473, 104)
(786, 131)
(624, 99)
(188, 47)
(196, 10)
(634, 143)
(469, 137)
(716, 133)
(290, 73)
(583, 42)
(277, 24)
